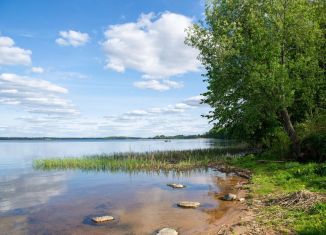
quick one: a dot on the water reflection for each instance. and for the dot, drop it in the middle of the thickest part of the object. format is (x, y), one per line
(14, 151)
(22, 187)
(140, 207)
(61, 202)
(29, 189)
(141, 203)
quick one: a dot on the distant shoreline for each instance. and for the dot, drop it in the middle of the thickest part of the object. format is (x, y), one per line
(107, 138)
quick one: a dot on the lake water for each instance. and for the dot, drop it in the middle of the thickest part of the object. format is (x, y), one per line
(62, 202)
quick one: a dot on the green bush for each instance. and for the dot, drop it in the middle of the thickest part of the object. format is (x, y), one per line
(277, 144)
(315, 125)
(313, 148)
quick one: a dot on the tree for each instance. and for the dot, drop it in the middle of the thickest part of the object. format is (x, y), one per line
(262, 61)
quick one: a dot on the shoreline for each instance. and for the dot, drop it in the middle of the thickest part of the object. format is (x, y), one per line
(280, 196)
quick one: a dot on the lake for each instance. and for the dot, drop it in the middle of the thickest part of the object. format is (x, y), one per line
(62, 202)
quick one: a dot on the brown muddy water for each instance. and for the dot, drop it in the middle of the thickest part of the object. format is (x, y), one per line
(62, 202)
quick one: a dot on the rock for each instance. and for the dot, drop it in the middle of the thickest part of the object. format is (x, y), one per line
(229, 197)
(243, 175)
(241, 199)
(101, 219)
(187, 204)
(257, 202)
(167, 231)
(176, 185)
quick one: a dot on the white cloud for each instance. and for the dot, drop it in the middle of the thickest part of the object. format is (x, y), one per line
(37, 70)
(194, 101)
(158, 85)
(9, 80)
(53, 74)
(181, 106)
(64, 111)
(42, 120)
(72, 38)
(138, 113)
(155, 124)
(12, 55)
(35, 95)
(170, 109)
(178, 108)
(69, 75)
(153, 46)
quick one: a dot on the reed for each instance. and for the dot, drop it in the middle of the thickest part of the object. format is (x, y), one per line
(149, 161)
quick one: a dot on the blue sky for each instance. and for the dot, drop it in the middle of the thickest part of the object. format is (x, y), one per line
(99, 68)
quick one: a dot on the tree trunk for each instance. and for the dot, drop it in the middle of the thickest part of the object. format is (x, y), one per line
(287, 124)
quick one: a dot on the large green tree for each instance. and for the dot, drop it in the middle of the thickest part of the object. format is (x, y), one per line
(263, 63)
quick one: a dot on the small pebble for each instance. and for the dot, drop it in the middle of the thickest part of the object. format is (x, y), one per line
(187, 204)
(167, 231)
(229, 197)
(176, 185)
(101, 219)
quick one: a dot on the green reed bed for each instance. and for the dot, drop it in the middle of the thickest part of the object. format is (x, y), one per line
(154, 161)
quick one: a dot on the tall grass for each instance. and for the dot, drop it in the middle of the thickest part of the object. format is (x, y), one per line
(148, 161)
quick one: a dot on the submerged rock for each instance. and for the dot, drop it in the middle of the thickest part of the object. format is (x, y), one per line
(101, 219)
(187, 204)
(229, 197)
(176, 185)
(167, 231)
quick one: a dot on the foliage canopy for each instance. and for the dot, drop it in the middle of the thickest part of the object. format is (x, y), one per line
(265, 64)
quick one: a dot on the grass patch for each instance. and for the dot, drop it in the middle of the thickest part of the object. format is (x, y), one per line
(286, 221)
(287, 177)
(148, 161)
(280, 182)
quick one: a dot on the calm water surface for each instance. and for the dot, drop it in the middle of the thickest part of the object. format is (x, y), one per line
(62, 202)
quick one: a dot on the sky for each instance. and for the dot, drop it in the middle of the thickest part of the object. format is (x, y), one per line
(96, 68)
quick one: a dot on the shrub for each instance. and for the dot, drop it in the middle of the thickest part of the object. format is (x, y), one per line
(313, 148)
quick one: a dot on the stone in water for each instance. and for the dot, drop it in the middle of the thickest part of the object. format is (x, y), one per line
(176, 185)
(187, 204)
(101, 219)
(167, 231)
(229, 197)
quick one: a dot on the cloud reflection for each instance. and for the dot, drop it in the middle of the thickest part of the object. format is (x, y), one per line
(29, 189)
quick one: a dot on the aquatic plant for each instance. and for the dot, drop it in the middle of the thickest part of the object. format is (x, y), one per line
(148, 161)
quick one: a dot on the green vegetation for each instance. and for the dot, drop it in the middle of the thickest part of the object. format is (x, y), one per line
(265, 67)
(285, 220)
(278, 182)
(150, 161)
(273, 177)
